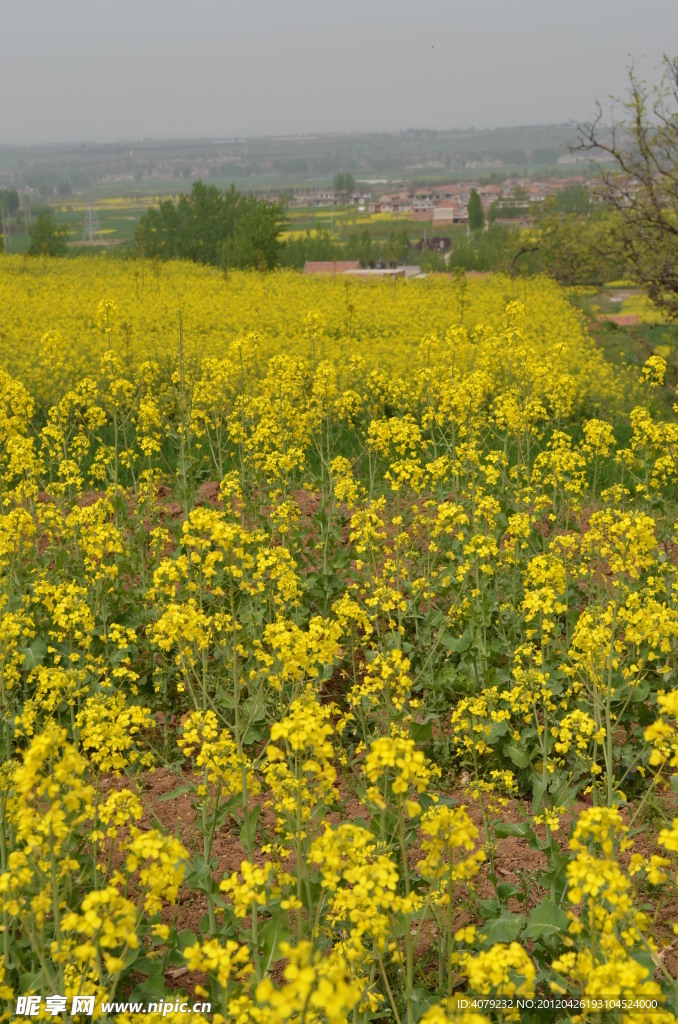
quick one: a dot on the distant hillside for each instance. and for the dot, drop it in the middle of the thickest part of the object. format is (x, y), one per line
(289, 161)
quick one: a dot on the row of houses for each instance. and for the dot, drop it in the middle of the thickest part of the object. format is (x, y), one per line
(446, 204)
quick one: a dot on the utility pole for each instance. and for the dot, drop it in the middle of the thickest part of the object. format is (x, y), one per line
(92, 228)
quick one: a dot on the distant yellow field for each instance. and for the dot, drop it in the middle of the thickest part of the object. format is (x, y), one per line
(382, 322)
(310, 233)
(112, 203)
(644, 308)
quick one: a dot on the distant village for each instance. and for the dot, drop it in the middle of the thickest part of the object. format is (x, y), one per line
(514, 200)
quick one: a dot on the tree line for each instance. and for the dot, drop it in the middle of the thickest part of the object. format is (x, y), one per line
(226, 229)
(573, 239)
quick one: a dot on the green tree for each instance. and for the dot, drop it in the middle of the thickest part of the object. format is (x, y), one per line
(255, 242)
(398, 246)
(210, 226)
(318, 246)
(47, 238)
(9, 204)
(476, 217)
(361, 246)
(344, 187)
(9, 201)
(637, 156)
(573, 248)
(432, 261)
(573, 199)
(489, 250)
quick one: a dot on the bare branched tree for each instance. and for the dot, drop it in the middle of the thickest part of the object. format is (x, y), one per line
(638, 154)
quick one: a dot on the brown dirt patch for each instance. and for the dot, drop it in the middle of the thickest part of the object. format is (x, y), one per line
(620, 319)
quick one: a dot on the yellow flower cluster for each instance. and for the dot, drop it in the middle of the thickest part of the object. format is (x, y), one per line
(394, 764)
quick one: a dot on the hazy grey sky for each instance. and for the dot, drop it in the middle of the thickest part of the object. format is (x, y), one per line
(104, 70)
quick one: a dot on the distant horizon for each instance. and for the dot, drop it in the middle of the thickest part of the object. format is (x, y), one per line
(228, 140)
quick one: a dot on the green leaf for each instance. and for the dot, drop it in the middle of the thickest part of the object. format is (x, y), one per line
(497, 730)
(34, 655)
(312, 896)
(254, 733)
(200, 877)
(457, 644)
(29, 980)
(154, 986)
(640, 692)
(504, 928)
(150, 967)
(539, 787)
(179, 791)
(421, 731)
(271, 935)
(546, 921)
(517, 754)
(558, 861)
(423, 999)
(248, 830)
(522, 829)
(185, 938)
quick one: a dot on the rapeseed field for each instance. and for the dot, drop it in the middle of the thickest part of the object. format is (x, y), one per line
(338, 631)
